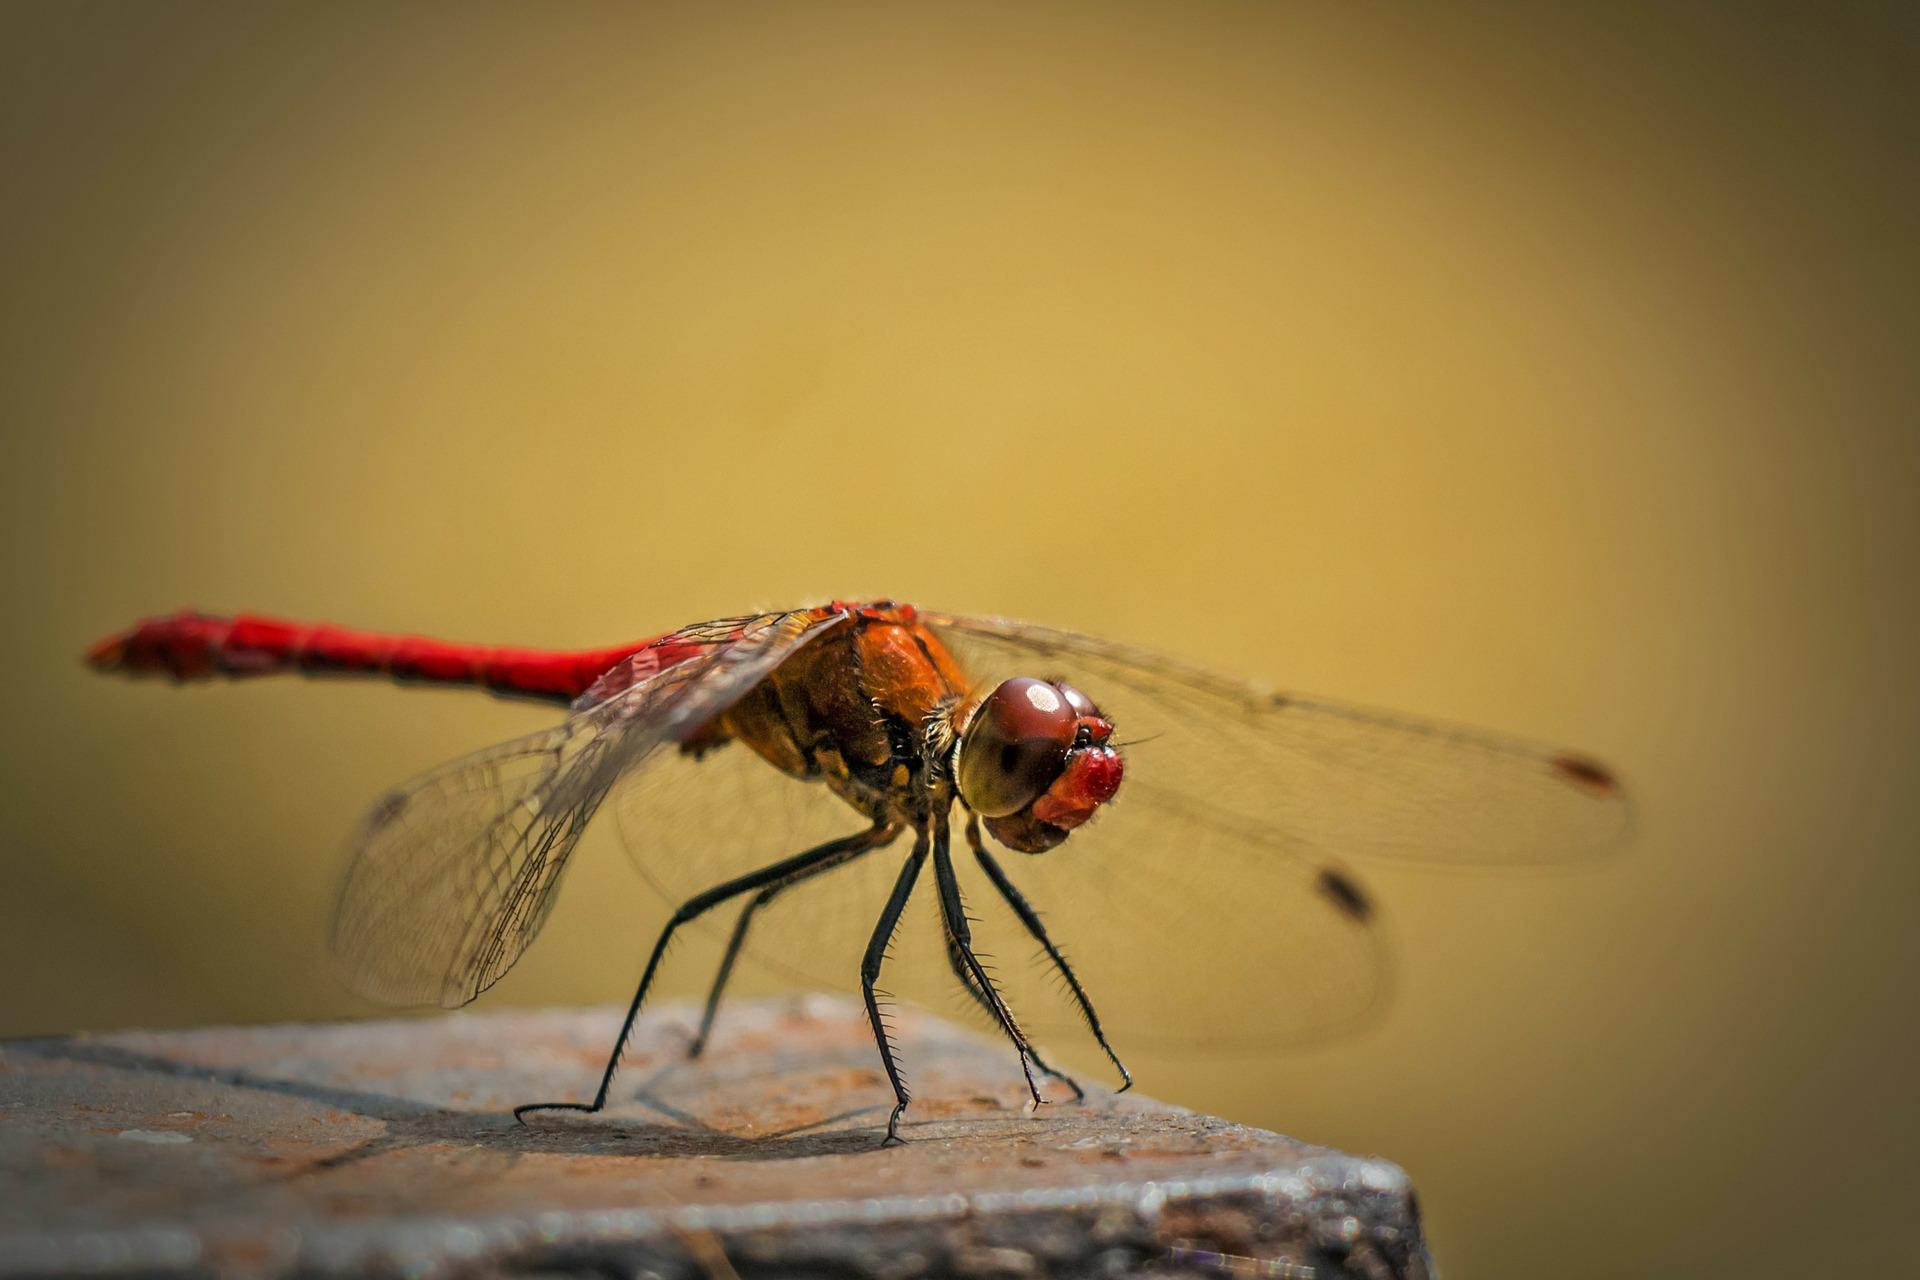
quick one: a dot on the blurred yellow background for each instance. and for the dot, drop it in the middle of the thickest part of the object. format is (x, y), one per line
(1552, 372)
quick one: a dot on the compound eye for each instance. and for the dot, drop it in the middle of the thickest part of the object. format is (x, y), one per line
(1082, 705)
(1015, 746)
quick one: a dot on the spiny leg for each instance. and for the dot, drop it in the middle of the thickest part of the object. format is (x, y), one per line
(954, 909)
(1031, 918)
(870, 973)
(739, 937)
(958, 964)
(692, 909)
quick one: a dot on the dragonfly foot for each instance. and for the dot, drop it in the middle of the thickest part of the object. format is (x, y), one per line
(1047, 1070)
(1079, 1094)
(520, 1112)
(893, 1138)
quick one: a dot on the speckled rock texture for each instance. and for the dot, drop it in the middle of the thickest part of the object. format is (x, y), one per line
(387, 1149)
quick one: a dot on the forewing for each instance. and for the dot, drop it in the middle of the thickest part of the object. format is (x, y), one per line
(454, 873)
(1308, 774)
(1208, 909)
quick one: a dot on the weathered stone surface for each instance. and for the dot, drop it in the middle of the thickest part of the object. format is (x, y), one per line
(386, 1148)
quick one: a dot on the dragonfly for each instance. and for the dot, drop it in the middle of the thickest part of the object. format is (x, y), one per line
(1187, 833)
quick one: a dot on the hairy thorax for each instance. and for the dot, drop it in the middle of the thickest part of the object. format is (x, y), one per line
(851, 710)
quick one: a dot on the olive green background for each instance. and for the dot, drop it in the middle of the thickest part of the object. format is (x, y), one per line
(1550, 370)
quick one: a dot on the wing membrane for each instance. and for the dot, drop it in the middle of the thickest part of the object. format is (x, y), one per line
(454, 873)
(1189, 937)
(1308, 774)
(1207, 911)
(1193, 937)
(1209, 908)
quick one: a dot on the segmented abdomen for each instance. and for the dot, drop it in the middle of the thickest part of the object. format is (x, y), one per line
(200, 646)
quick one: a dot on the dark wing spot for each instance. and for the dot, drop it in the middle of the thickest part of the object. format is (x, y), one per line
(1586, 774)
(389, 807)
(1345, 894)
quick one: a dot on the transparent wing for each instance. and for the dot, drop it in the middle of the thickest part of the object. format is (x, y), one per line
(1306, 774)
(454, 873)
(691, 823)
(1187, 937)
(1207, 911)
(1210, 907)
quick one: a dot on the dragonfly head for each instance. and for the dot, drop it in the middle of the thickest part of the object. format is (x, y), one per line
(1035, 759)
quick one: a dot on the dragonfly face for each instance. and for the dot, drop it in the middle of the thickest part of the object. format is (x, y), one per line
(1035, 759)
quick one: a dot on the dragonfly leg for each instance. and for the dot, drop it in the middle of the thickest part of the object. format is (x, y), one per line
(958, 963)
(739, 938)
(693, 909)
(960, 934)
(1031, 918)
(870, 973)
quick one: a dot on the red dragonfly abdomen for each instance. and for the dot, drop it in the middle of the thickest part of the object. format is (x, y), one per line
(199, 646)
